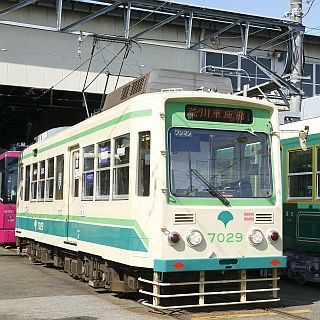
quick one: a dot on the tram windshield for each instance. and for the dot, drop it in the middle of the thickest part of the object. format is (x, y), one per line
(8, 179)
(219, 163)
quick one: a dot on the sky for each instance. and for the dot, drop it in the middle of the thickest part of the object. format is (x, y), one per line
(267, 8)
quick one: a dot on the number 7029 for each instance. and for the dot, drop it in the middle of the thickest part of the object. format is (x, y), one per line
(226, 237)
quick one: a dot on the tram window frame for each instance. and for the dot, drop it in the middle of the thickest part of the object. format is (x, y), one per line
(75, 154)
(144, 150)
(49, 191)
(11, 180)
(27, 183)
(59, 176)
(34, 181)
(21, 181)
(294, 173)
(318, 173)
(121, 167)
(88, 172)
(2, 179)
(103, 171)
(41, 181)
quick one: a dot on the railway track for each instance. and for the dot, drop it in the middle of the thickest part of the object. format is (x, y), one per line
(255, 314)
(286, 314)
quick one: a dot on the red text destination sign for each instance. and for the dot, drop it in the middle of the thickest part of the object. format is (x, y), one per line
(218, 114)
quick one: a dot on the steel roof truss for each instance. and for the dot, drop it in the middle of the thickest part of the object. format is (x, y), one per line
(59, 13)
(216, 34)
(282, 35)
(285, 100)
(160, 24)
(188, 26)
(17, 6)
(95, 14)
(127, 15)
(245, 36)
(275, 77)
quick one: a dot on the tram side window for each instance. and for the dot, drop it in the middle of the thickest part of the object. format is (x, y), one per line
(50, 179)
(20, 187)
(144, 164)
(59, 177)
(300, 174)
(88, 172)
(34, 177)
(42, 175)
(103, 169)
(27, 184)
(121, 167)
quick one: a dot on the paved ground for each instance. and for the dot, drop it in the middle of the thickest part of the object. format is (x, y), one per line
(32, 291)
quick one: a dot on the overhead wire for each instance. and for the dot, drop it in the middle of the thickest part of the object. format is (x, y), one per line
(130, 29)
(83, 63)
(308, 10)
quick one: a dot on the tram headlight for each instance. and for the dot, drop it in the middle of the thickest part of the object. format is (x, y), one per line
(255, 237)
(173, 237)
(194, 238)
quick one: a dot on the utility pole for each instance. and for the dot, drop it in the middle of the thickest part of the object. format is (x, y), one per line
(297, 56)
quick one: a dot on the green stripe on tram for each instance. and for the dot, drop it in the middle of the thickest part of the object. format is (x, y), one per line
(124, 117)
(112, 227)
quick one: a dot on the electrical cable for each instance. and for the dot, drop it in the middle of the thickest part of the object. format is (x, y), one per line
(77, 68)
(308, 10)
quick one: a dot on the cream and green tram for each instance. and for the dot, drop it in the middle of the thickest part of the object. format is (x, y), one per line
(174, 194)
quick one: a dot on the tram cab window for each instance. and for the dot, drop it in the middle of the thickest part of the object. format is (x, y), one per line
(34, 182)
(144, 164)
(88, 172)
(59, 177)
(235, 163)
(27, 184)
(121, 167)
(50, 179)
(103, 169)
(300, 174)
(12, 179)
(42, 175)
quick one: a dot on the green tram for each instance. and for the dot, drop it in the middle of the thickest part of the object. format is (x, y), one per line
(301, 200)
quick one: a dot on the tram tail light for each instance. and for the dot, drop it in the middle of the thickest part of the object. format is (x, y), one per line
(274, 235)
(173, 237)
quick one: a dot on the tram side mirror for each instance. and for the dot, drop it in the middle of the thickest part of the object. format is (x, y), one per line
(303, 136)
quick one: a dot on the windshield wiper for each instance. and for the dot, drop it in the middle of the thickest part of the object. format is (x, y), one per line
(213, 190)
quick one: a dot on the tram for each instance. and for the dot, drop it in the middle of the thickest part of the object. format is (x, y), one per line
(301, 200)
(8, 196)
(174, 193)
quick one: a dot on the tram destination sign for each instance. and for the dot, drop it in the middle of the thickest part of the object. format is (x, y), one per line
(218, 114)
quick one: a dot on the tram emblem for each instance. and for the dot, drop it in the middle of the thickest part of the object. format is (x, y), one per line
(225, 217)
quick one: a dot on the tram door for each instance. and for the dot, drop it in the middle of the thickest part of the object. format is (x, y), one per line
(73, 198)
